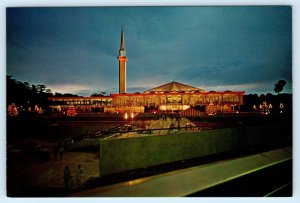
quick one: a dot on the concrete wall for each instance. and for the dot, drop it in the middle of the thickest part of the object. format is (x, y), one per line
(120, 155)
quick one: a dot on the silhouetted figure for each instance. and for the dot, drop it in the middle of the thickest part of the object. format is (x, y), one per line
(67, 177)
(79, 173)
(61, 150)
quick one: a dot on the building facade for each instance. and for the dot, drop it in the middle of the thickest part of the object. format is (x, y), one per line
(170, 97)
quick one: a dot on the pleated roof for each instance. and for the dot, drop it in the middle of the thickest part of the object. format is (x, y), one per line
(173, 87)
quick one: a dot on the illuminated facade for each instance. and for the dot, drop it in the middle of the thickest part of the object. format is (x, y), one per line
(176, 96)
(170, 97)
(151, 100)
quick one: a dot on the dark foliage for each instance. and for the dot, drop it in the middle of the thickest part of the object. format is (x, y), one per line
(279, 86)
(101, 94)
(253, 99)
(26, 95)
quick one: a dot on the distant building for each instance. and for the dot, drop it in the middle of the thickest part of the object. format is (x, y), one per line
(170, 97)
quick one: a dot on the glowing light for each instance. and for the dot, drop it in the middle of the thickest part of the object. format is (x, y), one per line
(71, 111)
(126, 116)
(12, 110)
(281, 106)
(36, 108)
(264, 108)
(211, 109)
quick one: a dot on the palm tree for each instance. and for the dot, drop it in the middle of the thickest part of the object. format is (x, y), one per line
(279, 86)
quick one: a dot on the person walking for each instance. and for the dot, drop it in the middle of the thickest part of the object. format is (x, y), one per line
(67, 177)
(79, 173)
(61, 150)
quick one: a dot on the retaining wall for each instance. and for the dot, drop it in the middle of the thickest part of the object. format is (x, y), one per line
(120, 155)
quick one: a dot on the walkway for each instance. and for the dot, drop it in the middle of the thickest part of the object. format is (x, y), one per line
(30, 173)
(188, 181)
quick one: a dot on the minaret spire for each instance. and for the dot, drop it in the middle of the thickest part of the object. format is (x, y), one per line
(122, 51)
(122, 45)
(122, 65)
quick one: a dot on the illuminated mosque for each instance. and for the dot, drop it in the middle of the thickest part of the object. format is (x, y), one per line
(170, 97)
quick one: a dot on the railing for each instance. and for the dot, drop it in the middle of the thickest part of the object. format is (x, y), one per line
(154, 132)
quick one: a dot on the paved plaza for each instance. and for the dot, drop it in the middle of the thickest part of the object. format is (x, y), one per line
(29, 173)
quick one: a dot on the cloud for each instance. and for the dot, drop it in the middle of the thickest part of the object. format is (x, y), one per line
(199, 46)
(240, 87)
(69, 88)
(248, 88)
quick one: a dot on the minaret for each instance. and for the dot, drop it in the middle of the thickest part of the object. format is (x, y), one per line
(122, 65)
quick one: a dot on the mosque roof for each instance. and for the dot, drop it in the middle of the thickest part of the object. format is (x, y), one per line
(174, 87)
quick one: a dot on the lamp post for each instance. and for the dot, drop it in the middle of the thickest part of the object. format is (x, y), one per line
(132, 116)
(126, 117)
(126, 125)
(131, 124)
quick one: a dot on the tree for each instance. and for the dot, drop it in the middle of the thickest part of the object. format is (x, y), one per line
(69, 95)
(26, 95)
(95, 95)
(279, 86)
(57, 94)
(102, 93)
(41, 88)
(262, 98)
(33, 89)
(48, 91)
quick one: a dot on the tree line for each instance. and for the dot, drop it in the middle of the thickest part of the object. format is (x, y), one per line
(275, 100)
(28, 95)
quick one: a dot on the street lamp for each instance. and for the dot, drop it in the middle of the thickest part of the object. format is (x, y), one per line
(132, 116)
(126, 117)
(126, 125)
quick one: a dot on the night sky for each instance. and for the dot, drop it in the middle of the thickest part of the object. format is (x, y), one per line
(75, 49)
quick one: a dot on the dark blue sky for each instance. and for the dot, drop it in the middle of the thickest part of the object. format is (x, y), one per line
(215, 48)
